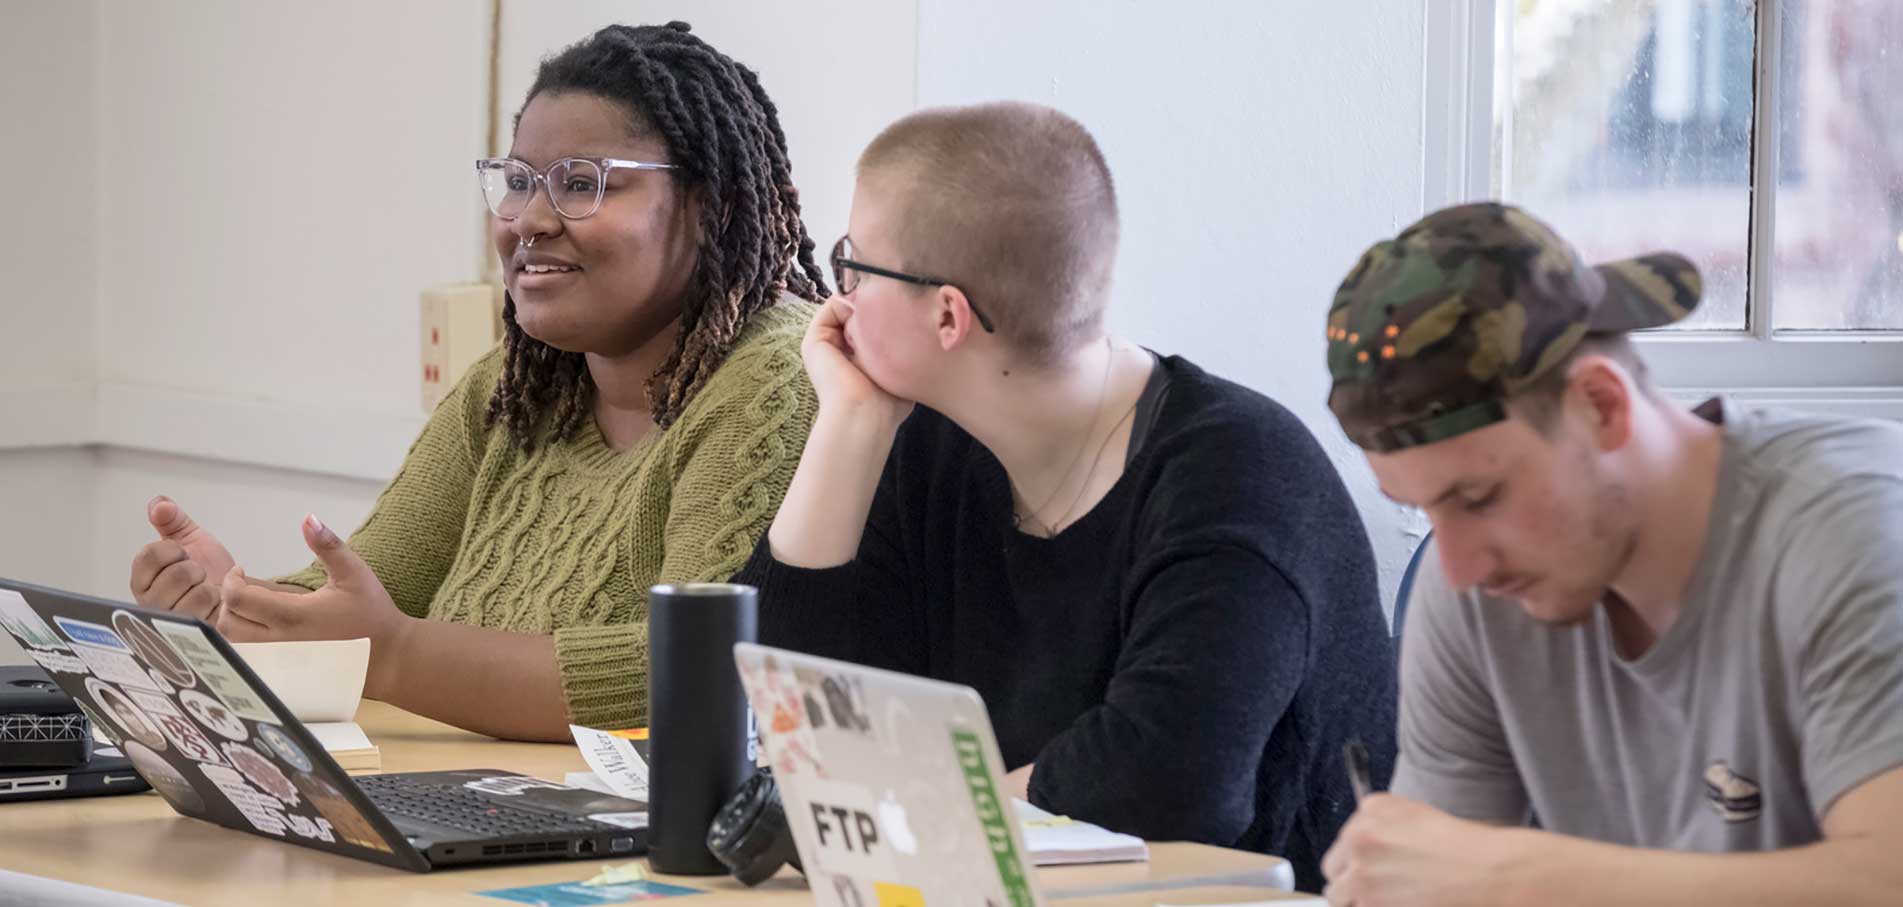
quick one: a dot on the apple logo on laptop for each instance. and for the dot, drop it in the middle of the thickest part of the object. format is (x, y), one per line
(893, 824)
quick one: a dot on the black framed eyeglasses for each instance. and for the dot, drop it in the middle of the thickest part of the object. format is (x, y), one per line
(846, 273)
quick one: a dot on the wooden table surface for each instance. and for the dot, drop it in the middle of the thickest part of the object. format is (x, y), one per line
(136, 844)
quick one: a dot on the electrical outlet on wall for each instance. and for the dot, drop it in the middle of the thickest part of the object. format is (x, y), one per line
(459, 325)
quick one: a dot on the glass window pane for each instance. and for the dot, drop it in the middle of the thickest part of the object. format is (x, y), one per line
(1839, 202)
(1629, 131)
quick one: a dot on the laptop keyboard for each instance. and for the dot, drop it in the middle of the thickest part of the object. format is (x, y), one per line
(463, 810)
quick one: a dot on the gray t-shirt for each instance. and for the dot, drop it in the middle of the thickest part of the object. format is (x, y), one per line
(1778, 689)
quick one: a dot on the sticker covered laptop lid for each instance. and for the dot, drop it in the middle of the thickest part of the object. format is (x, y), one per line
(891, 783)
(197, 724)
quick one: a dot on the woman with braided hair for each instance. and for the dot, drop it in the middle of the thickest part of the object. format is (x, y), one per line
(638, 424)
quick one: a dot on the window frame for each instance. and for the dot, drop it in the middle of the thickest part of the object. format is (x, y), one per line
(1852, 372)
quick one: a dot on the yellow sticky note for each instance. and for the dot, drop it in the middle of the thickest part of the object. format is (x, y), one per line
(619, 875)
(1051, 822)
(891, 895)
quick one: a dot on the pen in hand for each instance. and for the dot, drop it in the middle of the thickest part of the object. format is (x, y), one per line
(1359, 774)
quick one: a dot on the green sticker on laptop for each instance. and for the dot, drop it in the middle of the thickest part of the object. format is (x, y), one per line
(971, 757)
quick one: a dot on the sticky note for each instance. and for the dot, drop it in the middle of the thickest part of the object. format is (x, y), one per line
(617, 875)
(890, 895)
(577, 894)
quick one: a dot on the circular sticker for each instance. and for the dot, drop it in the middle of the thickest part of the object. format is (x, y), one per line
(280, 745)
(153, 649)
(165, 779)
(126, 715)
(261, 772)
(212, 714)
(187, 739)
(344, 818)
(112, 734)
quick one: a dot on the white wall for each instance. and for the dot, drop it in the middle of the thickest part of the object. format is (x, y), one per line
(1258, 148)
(228, 264)
(254, 510)
(47, 516)
(46, 522)
(264, 189)
(48, 238)
(48, 291)
(282, 179)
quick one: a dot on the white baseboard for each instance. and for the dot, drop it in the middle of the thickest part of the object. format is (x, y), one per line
(362, 445)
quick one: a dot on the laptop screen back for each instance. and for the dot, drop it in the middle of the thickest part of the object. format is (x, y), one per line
(196, 722)
(892, 784)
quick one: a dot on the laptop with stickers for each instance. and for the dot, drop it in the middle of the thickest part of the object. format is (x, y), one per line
(892, 784)
(214, 741)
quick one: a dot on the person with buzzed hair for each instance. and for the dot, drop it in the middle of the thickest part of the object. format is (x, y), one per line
(1154, 576)
(1669, 640)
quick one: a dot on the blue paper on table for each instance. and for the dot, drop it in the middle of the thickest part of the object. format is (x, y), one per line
(575, 894)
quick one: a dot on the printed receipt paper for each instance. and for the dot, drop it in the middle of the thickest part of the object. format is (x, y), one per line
(615, 760)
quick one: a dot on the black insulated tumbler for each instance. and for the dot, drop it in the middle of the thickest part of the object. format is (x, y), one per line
(697, 717)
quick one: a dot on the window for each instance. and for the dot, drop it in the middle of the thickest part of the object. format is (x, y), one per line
(1761, 138)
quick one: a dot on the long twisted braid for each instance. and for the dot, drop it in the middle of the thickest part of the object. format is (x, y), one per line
(723, 134)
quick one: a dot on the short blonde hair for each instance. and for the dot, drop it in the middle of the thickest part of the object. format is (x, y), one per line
(1010, 202)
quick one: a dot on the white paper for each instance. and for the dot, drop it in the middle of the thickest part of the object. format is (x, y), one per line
(588, 781)
(337, 736)
(1055, 840)
(621, 820)
(318, 680)
(615, 761)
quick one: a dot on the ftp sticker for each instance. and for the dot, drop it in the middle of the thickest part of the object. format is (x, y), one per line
(844, 822)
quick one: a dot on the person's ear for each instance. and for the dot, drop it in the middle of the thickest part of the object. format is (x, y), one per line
(1601, 392)
(955, 320)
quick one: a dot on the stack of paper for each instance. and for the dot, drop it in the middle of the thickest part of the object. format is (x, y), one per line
(345, 742)
(1059, 840)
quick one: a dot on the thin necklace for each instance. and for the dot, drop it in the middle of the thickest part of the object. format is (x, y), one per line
(1103, 385)
(1101, 447)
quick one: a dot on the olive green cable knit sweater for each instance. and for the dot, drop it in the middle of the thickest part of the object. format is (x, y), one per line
(567, 539)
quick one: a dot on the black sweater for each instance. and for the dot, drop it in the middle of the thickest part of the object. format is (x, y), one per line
(1184, 662)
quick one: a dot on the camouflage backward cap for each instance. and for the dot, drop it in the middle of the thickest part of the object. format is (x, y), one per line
(1433, 330)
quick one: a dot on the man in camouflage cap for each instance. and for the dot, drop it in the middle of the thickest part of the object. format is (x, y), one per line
(1434, 330)
(1654, 630)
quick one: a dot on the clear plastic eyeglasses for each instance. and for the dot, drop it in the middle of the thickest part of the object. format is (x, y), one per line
(575, 184)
